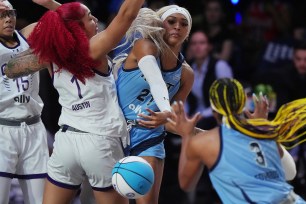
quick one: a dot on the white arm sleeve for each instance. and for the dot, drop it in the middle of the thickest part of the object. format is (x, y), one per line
(149, 67)
(288, 165)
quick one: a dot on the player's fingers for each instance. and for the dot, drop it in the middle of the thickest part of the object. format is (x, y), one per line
(255, 99)
(195, 119)
(248, 113)
(171, 121)
(148, 117)
(145, 123)
(150, 111)
(175, 108)
(181, 107)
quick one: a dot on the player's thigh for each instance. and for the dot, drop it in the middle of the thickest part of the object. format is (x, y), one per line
(55, 194)
(152, 196)
(109, 197)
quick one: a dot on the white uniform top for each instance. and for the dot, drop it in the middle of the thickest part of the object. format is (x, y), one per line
(19, 97)
(92, 107)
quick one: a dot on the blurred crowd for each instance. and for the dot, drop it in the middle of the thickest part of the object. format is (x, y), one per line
(262, 43)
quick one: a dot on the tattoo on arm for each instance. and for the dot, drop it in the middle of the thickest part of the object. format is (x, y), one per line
(24, 64)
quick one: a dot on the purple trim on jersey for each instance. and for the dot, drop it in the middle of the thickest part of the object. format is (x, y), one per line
(31, 176)
(102, 74)
(17, 40)
(22, 36)
(220, 150)
(63, 185)
(103, 189)
(7, 175)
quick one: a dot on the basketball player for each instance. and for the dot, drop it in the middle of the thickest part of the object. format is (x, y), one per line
(93, 128)
(23, 138)
(246, 163)
(142, 92)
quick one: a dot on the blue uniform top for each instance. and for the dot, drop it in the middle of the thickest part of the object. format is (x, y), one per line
(134, 97)
(248, 170)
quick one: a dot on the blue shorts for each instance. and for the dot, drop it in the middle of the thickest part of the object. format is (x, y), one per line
(155, 151)
(153, 147)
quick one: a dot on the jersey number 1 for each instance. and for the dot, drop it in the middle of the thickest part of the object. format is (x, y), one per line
(74, 79)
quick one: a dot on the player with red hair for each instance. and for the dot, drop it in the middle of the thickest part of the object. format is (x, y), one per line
(59, 37)
(93, 128)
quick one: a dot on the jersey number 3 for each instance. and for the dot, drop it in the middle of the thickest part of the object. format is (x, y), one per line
(260, 159)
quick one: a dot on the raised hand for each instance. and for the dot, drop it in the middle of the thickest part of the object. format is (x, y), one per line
(261, 107)
(179, 121)
(153, 120)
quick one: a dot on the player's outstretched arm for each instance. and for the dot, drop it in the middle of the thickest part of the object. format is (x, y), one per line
(190, 164)
(102, 43)
(24, 64)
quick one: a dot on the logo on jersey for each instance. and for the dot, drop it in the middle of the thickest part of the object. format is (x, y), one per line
(136, 109)
(81, 106)
(22, 99)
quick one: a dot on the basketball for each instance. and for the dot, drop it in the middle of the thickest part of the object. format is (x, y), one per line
(132, 177)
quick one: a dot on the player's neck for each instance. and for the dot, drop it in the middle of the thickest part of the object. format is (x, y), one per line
(9, 41)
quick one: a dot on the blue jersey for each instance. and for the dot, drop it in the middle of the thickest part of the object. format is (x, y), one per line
(134, 97)
(248, 170)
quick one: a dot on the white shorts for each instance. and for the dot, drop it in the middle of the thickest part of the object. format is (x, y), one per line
(24, 151)
(79, 155)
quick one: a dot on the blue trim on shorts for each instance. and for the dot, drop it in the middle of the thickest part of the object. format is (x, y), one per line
(102, 189)
(63, 185)
(7, 175)
(31, 176)
(157, 151)
(146, 144)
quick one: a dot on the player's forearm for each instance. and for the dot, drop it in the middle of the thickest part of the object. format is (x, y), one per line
(22, 65)
(51, 5)
(190, 171)
(129, 10)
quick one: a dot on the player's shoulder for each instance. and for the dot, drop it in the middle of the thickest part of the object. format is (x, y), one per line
(187, 68)
(187, 72)
(206, 145)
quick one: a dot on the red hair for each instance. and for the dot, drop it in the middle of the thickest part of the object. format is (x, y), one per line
(59, 37)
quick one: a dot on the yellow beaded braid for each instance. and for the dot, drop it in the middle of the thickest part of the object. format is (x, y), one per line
(227, 97)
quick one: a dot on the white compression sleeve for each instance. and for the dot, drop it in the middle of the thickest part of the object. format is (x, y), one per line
(149, 67)
(288, 165)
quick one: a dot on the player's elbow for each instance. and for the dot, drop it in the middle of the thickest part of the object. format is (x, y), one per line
(9, 74)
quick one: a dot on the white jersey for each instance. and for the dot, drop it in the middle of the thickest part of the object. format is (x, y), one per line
(92, 107)
(19, 97)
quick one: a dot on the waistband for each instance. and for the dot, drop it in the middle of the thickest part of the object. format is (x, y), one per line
(64, 128)
(144, 145)
(28, 121)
